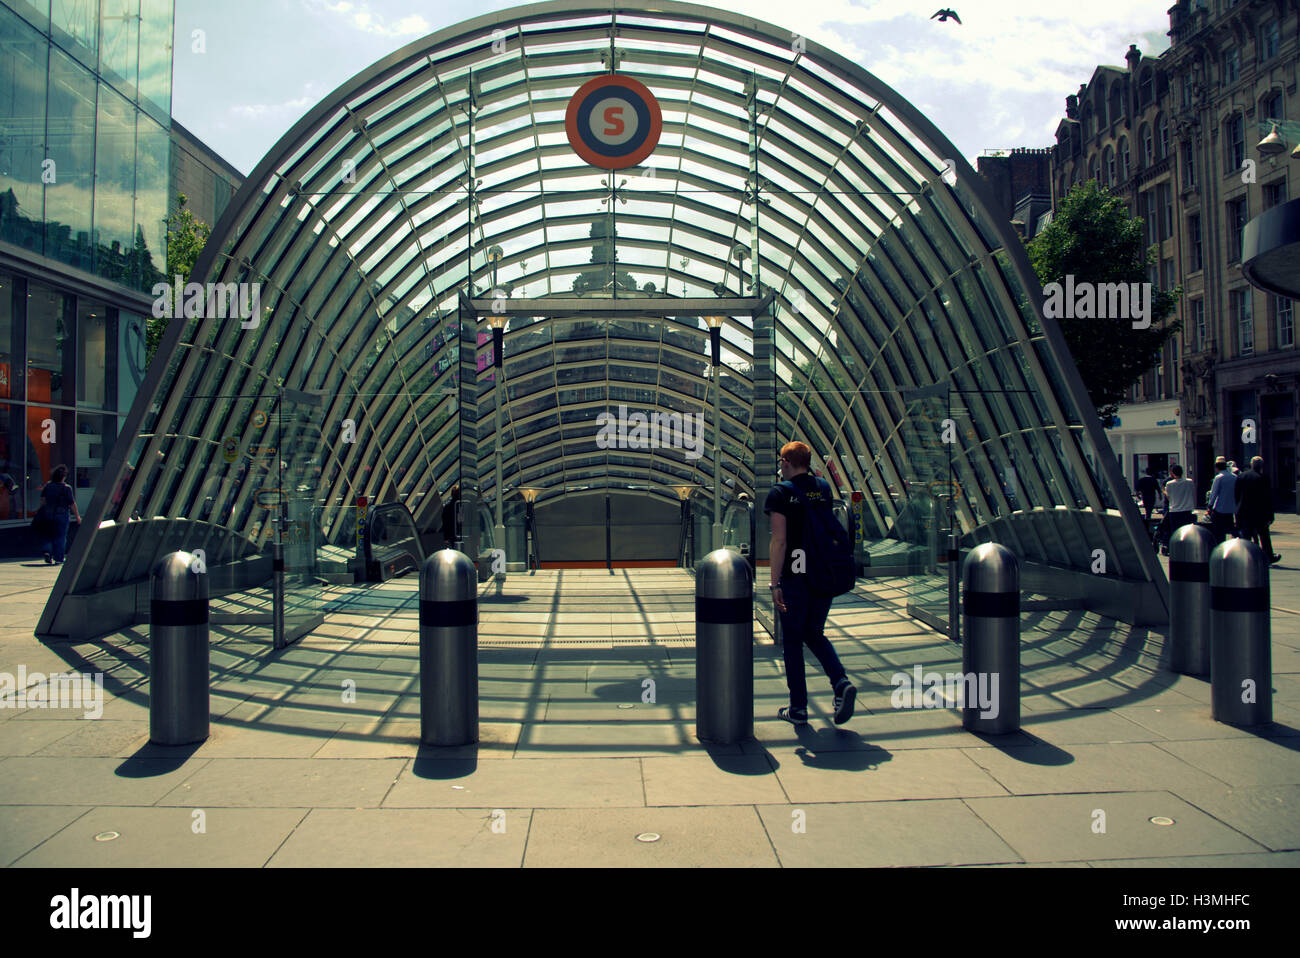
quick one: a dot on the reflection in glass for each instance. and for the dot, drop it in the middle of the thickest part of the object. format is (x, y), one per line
(114, 185)
(49, 316)
(23, 56)
(95, 438)
(93, 359)
(76, 28)
(71, 139)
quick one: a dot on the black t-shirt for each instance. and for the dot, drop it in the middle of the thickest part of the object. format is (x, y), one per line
(58, 495)
(1146, 487)
(781, 499)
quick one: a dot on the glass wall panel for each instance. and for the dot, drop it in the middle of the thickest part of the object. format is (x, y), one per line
(12, 443)
(50, 442)
(75, 26)
(95, 382)
(10, 344)
(131, 354)
(49, 364)
(156, 57)
(95, 438)
(71, 145)
(119, 42)
(23, 58)
(114, 185)
(37, 12)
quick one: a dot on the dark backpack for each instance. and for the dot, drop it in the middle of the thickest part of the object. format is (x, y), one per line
(829, 549)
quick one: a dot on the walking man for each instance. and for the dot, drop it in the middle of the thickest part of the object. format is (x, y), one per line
(1147, 487)
(1181, 494)
(1255, 508)
(802, 608)
(1223, 500)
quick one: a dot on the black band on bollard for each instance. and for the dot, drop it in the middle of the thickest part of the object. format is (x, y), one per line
(1227, 599)
(451, 614)
(991, 605)
(724, 611)
(178, 611)
(1188, 571)
(952, 555)
(277, 564)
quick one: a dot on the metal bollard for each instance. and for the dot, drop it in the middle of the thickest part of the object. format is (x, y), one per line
(1189, 600)
(724, 649)
(1241, 667)
(448, 649)
(990, 579)
(178, 652)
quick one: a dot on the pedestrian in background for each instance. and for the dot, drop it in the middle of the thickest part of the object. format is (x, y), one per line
(60, 506)
(1254, 497)
(1181, 494)
(1223, 500)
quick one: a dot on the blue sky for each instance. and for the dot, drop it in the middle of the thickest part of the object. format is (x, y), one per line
(996, 81)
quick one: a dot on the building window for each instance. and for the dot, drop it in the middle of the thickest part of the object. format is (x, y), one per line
(1166, 191)
(1268, 40)
(1198, 323)
(1274, 193)
(1187, 91)
(1148, 147)
(1189, 166)
(1283, 310)
(1236, 224)
(1110, 166)
(1169, 279)
(1243, 321)
(1235, 139)
(1231, 66)
(1125, 164)
(1194, 253)
(1162, 138)
(1144, 89)
(1271, 108)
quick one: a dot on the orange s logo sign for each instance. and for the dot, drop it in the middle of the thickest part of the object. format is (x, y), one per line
(613, 120)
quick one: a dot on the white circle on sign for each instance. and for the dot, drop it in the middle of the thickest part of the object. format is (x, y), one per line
(613, 120)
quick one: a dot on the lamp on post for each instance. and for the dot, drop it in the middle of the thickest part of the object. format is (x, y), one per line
(498, 324)
(715, 342)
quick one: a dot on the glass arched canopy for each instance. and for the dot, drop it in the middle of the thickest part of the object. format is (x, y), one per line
(873, 306)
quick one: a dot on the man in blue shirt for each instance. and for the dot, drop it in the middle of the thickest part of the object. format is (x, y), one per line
(1223, 500)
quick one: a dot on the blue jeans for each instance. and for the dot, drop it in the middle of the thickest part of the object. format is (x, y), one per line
(801, 624)
(57, 544)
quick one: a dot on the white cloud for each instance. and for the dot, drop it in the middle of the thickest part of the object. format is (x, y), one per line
(288, 109)
(360, 17)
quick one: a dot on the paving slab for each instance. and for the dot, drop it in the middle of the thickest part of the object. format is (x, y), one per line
(401, 739)
(25, 738)
(879, 775)
(718, 779)
(1047, 769)
(612, 740)
(519, 783)
(730, 836)
(34, 780)
(1087, 727)
(1252, 761)
(285, 783)
(103, 739)
(882, 835)
(26, 826)
(1193, 722)
(1067, 827)
(166, 838)
(407, 838)
(1269, 814)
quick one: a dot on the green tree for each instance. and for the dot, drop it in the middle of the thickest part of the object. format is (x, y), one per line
(186, 237)
(1094, 239)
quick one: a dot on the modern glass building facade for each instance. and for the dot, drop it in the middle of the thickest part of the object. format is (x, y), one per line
(869, 305)
(85, 98)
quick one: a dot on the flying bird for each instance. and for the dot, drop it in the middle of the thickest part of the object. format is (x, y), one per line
(945, 14)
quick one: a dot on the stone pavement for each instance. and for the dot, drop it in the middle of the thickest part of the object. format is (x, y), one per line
(573, 765)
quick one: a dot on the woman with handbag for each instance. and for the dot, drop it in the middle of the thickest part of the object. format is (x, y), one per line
(60, 507)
